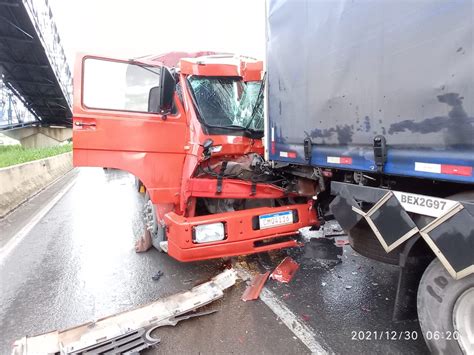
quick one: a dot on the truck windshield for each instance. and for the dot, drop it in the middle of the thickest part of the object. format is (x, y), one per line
(228, 102)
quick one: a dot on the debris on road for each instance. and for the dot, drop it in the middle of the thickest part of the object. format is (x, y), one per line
(252, 292)
(348, 287)
(142, 320)
(340, 242)
(157, 276)
(285, 271)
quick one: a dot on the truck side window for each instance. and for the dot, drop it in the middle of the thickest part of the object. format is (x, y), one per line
(120, 86)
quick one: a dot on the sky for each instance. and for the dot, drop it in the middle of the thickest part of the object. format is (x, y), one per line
(132, 28)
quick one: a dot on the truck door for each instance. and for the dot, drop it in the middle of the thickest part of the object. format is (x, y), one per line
(113, 128)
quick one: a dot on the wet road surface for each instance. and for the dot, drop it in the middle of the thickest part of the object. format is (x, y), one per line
(78, 264)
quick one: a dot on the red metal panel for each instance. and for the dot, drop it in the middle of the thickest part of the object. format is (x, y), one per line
(285, 271)
(252, 292)
(232, 188)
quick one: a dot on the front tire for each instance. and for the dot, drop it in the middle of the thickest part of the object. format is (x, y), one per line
(155, 227)
(446, 311)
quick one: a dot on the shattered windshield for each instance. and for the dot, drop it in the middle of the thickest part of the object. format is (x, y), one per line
(229, 102)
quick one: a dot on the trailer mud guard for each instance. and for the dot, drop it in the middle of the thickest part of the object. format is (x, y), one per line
(450, 234)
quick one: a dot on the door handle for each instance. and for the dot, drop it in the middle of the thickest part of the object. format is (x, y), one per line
(82, 124)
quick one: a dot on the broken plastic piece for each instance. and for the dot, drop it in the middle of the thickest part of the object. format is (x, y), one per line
(252, 292)
(167, 311)
(285, 271)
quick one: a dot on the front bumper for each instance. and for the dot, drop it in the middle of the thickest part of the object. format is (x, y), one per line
(243, 235)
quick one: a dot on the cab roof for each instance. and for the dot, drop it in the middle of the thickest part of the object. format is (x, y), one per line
(210, 64)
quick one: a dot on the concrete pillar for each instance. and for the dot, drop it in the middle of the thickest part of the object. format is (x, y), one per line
(39, 137)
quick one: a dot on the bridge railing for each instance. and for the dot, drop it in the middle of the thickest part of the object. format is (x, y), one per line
(42, 18)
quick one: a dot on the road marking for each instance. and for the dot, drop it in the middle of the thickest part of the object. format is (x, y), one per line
(291, 320)
(18, 237)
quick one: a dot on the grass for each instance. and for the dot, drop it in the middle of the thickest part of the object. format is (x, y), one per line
(16, 154)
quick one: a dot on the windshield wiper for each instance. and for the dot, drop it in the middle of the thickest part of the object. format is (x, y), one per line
(257, 102)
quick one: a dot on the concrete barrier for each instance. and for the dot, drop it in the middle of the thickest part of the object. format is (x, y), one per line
(20, 182)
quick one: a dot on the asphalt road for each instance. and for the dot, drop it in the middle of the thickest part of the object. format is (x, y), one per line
(78, 264)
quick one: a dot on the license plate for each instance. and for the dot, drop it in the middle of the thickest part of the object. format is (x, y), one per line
(275, 219)
(425, 205)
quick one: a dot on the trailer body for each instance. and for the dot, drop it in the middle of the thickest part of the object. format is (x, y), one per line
(341, 73)
(377, 98)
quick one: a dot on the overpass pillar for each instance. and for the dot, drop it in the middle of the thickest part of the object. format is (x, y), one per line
(39, 137)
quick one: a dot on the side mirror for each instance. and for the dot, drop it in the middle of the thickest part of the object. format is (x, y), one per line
(207, 143)
(160, 99)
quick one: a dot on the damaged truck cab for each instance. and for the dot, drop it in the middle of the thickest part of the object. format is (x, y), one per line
(190, 127)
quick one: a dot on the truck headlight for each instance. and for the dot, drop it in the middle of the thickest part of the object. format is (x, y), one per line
(206, 233)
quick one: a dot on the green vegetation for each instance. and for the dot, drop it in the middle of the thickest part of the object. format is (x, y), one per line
(16, 154)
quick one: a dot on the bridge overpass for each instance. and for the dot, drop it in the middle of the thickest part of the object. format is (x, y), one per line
(36, 81)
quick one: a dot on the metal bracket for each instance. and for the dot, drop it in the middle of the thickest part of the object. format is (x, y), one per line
(380, 152)
(220, 177)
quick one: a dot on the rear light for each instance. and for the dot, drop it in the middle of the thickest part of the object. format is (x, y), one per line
(206, 233)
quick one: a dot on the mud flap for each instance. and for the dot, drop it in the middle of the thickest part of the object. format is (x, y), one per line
(342, 209)
(389, 221)
(450, 235)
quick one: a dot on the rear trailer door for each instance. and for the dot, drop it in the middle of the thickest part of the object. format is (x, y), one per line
(343, 73)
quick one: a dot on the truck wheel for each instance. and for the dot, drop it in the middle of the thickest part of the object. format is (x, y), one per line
(364, 241)
(446, 311)
(156, 229)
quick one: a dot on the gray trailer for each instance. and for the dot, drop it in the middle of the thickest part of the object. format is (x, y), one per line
(375, 100)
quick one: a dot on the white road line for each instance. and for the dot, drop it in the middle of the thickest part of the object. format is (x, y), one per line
(17, 238)
(291, 320)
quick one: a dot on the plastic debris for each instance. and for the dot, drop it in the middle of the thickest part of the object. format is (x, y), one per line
(341, 242)
(252, 292)
(348, 287)
(324, 284)
(164, 312)
(285, 271)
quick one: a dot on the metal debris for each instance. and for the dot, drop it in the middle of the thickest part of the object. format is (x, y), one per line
(167, 311)
(285, 271)
(252, 292)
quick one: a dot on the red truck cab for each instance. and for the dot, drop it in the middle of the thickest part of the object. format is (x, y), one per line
(190, 128)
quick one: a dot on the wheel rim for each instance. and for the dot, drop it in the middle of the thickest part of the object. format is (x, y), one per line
(463, 318)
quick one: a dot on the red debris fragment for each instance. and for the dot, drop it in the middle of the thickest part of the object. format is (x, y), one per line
(306, 317)
(285, 271)
(253, 290)
(342, 242)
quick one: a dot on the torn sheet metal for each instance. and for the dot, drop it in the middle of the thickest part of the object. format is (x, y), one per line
(252, 292)
(162, 312)
(285, 271)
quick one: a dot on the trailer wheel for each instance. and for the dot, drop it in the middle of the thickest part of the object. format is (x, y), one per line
(156, 229)
(364, 241)
(446, 311)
